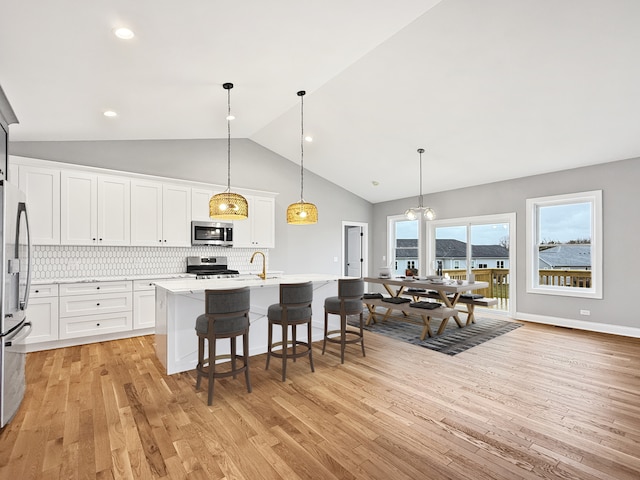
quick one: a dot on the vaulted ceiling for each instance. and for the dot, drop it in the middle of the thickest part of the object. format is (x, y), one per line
(492, 89)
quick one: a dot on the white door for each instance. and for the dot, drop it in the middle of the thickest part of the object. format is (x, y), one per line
(353, 247)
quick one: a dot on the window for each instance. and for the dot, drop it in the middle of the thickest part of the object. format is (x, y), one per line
(564, 245)
(403, 246)
(456, 264)
(500, 264)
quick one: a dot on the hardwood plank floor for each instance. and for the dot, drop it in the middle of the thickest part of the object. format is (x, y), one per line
(538, 402)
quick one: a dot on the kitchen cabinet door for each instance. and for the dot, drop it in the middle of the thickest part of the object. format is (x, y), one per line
(43, 314)
(146, 213)
(42, 187)
(263, 235)
(144, 304)
(257, 231)
(200, 204)
(176, 216)
(114, 210)
(79, 208)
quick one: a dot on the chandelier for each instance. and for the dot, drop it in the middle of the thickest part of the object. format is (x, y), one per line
(427, 212)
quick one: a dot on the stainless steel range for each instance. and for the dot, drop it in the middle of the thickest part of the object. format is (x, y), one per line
(210, 267)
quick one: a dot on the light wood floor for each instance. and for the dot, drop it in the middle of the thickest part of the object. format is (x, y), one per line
(539, 402)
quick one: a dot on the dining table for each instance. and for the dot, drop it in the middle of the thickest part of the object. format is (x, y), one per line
(448, 291)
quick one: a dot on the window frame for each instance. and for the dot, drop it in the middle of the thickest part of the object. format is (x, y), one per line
(533, 205)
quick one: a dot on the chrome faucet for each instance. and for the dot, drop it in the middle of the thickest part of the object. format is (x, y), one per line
(262, 275)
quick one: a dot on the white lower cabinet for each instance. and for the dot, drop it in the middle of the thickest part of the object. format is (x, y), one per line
(43, 313)
(95, 308)
(144, 304)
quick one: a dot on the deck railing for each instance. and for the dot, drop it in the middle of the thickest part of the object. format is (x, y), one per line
(498, 280)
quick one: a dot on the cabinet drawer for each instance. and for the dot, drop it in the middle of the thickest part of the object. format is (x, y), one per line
(88, 288)
(78, 305)
(95, 325)
(140, 285)
(38, 291)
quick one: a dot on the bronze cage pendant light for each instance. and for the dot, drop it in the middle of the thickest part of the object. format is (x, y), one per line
(228, 205)
(302, 213)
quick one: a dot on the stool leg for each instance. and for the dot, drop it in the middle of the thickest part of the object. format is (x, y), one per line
(269, 344)
(343, 335)
(212, 367)
(233, 355)
(200, 361)
(309, 342)
(285, 333)
(294, 336)
(362, 334)
(326, 329)
(245, 354)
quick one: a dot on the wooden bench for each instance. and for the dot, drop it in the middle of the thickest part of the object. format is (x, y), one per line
(469, 302)
(411, 313)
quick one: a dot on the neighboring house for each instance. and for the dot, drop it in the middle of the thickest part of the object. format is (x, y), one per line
(453, 254)
(566, 257)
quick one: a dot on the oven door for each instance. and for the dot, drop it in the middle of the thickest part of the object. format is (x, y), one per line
(211, 233)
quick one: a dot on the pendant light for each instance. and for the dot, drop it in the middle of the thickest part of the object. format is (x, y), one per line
(428, 212)
(228, 205)
(302, 213)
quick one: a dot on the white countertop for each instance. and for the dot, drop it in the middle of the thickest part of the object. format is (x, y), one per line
(149, 276)
(188, 285)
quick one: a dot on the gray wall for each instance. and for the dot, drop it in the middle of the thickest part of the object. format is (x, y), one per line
(299, 248)
(621, 219)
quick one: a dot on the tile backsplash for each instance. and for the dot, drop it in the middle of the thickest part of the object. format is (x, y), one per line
(71, 261)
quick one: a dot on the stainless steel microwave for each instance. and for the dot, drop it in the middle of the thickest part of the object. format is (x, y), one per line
(212, 233)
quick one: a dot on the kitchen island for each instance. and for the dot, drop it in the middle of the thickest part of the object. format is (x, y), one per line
(179, 302)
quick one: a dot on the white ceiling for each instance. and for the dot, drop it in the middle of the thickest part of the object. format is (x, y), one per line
(492, 89)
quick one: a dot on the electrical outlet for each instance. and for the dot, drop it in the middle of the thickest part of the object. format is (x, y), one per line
(585, 312)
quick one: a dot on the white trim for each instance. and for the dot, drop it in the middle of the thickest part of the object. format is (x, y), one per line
(365, 246)
(391, 220)
(593, 197)
(580, 324)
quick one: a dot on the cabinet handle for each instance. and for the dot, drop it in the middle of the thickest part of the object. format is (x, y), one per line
(97, 288)
(160, 241)
(165, 240)
(97, 324)
(100, 239)
(37, 291)
(94, 239)
(98, 304)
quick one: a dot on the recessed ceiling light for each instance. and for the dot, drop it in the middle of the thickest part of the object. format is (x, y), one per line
(110, 113)
(124, 33)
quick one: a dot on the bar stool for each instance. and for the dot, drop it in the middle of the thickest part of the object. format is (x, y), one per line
(226, 316)
(294, 309)
(348, 302)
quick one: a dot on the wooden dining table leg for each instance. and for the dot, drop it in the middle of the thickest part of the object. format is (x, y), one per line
(471, 318)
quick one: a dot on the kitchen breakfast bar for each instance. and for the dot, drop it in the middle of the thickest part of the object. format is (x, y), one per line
(179, 302)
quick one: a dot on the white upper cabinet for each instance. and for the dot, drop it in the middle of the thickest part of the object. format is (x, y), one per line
(200, 204)
(257, 231)
(146, 213)
(95, 209)
(160, 214)
(42, 187)
(176, 215)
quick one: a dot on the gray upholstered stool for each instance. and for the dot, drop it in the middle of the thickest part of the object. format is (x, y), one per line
(294, 309)
(226, 316)
(348, 302)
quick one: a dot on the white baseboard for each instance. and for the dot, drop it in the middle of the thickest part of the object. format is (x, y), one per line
(580, 324)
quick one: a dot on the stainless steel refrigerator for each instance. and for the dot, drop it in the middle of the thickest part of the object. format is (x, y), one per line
(15, 259)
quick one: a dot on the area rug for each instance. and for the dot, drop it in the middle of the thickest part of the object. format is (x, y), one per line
(452, 341)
